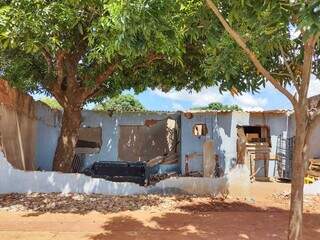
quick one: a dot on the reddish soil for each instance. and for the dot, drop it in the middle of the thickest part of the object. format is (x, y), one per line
(264, 216)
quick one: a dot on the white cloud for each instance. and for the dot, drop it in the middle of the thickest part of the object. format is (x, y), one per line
(177, 106)
(202, 98)
(314, 88)
(254, 109)
(250, 102)
(208, 95)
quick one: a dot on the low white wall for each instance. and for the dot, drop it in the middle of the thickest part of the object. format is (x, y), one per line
(312, 189)
(17, 181)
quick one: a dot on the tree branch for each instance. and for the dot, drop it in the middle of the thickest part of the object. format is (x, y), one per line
(151, 57)
(240, 41)
(281, 74)
(307, 65)
(100, 79)
(289, 68)
(59, 66)
(106, 74)
(48, 58)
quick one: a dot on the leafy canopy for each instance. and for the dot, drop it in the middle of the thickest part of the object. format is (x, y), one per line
(219, 106)
(122, 103)
(156, 43)
(95, 34)
(271, 30)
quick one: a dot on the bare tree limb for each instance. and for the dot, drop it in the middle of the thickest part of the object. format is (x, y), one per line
(240, 41)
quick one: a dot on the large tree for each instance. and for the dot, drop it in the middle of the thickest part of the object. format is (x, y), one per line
(85, 50)
(274, 41)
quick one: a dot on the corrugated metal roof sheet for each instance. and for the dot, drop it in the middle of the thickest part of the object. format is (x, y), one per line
(276, 111)
(132, 112)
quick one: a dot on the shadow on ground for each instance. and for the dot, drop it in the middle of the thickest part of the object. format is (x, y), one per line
(215, 220)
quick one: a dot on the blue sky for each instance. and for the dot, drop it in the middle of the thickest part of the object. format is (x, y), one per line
(268, 98)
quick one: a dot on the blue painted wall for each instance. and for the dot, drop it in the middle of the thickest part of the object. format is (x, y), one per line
(48, 129)
(110, 130)
(222, 127)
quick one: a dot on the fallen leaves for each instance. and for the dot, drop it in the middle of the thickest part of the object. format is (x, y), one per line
(75, 203)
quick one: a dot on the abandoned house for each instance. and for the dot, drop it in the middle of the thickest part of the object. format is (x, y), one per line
(194, 143)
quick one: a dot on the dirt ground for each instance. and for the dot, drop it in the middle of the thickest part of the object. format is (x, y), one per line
(75, 216)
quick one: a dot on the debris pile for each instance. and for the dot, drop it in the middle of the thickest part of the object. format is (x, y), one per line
(75, 203)
(285, 195)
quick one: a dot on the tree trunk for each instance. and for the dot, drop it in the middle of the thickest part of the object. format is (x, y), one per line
(298, 171)
(68, 138)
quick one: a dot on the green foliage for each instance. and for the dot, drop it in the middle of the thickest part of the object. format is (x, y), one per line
(219, 106)
(193, 48)
(99, 33)
(51, 102)
(122, 103)
(266, 27)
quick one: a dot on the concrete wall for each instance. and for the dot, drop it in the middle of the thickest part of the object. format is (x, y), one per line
(222, 130)
(314, 141)
(18, 137)
(18, 181)
(48, 129)
(17, 127)
(31, 131)
(110, 130)
(278, 123)
(47, 133)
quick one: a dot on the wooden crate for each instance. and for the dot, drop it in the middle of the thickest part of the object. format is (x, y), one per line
(314, 167)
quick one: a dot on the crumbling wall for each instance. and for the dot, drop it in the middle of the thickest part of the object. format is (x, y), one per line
(18, 181)
(143, 143)
(221, 129)
(17, 127)
(14, 180)
(278, 124)
(110, 125)
(47, 134)
(29, 129)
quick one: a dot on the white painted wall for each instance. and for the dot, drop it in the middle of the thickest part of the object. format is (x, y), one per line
(18, 181)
